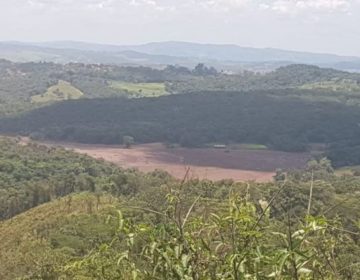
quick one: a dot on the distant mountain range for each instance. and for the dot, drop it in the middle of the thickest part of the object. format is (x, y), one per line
(227, 57)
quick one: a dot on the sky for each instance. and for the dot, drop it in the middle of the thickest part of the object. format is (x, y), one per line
(326, 26)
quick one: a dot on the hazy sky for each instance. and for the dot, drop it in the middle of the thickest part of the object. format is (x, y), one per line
(310, 25)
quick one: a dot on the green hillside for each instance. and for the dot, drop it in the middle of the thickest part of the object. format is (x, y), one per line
(61, 91)
(73, 217)
(25, 86)
(83, 236)
(52, 234)
(335, 85)
(32, 174)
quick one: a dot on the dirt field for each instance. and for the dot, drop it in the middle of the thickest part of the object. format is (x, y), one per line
(212, 164)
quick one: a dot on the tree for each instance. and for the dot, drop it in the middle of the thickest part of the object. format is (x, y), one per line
(202, 70)
(128, 141)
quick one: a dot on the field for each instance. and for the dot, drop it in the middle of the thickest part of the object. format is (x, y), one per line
(141, 89)
(62, 91)
(250, 146)
(334, 85)
(348, 170)
(206, 163)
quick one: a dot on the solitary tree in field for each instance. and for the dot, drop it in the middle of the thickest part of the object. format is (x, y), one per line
(128, 141)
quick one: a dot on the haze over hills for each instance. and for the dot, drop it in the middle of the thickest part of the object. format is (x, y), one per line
(229, 57)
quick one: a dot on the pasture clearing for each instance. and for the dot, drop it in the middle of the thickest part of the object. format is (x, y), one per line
(345, 85)
(249, 146)
(236, 146)
(140, 89)
(348, 170)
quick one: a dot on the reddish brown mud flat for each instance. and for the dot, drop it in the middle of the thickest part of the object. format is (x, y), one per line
(204, 163)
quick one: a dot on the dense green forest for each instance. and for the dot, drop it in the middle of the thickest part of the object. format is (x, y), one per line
(33, 174)
(96, 221)
(271, 118)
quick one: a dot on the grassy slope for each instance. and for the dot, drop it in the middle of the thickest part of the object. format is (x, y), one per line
(62, 91)
(141, 89)
(53, 232)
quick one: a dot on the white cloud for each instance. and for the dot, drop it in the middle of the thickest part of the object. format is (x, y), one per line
(227, 3)
(332, 5)
(309, 6)
(280, 6)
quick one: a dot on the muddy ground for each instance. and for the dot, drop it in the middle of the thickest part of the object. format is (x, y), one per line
(204, 163)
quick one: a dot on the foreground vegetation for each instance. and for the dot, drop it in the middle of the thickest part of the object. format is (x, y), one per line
(115, 224)
(31, 175)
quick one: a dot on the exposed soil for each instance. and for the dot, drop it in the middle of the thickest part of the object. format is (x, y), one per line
(206, 163)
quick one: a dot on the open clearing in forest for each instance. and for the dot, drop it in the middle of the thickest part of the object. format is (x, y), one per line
(61, 91)
(141, 89)
(204, 163)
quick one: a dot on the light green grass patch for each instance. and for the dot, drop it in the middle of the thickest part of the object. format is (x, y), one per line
(334, 85)
(62, 91)
(238, 146)
(249, 146)
(347, 170)
(140, 89)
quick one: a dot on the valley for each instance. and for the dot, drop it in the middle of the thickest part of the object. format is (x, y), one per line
(180, 140)
(110, 171)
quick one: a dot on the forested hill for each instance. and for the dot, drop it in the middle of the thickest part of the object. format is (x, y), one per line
(32, 174)
(278, 119)
(292, 76)
(24, 86)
